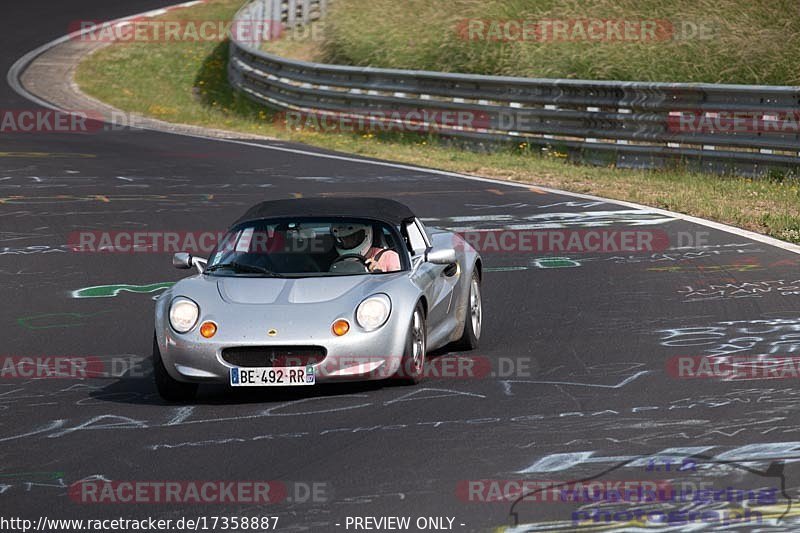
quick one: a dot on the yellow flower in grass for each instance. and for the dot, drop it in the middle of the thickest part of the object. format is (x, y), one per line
(160, 110)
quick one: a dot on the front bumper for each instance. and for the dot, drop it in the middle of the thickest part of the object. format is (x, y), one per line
(355, 356)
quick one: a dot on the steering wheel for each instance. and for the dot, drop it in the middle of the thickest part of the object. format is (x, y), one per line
(350, 257)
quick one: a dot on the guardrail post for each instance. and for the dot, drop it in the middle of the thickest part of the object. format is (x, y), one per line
(275, 23)
(257, 17)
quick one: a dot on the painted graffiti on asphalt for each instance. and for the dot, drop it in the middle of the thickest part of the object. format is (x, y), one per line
(109, 291)
(744, 289)
(761, 336)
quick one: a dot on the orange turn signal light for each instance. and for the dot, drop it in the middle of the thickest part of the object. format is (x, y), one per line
(208, 329)
(340, 327)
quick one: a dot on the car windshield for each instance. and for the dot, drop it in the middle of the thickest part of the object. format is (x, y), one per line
(309, 248)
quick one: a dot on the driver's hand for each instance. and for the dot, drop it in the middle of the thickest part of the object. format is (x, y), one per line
(372, 265)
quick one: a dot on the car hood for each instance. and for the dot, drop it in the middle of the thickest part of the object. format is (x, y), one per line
(302, 309)
(278, 291)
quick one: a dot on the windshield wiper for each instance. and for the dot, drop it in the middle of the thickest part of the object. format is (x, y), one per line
(240, 267)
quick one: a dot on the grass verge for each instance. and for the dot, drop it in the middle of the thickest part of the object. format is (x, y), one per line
(186, 82)
(714, 41)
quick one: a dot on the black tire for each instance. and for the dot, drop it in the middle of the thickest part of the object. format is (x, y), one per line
(470, 337)
(412, 366)
(169, 388)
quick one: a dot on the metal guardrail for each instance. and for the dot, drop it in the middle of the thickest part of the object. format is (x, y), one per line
(626, 124)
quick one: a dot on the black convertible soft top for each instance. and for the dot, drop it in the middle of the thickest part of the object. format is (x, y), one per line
(380, 209)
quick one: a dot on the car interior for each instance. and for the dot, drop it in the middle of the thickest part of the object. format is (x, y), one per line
(296, 248)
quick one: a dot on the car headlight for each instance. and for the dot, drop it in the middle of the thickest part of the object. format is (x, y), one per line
(373, 312)
(183, 314)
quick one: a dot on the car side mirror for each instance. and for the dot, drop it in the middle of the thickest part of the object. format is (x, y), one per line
(185, 260)
(441, 256)
(182, 260)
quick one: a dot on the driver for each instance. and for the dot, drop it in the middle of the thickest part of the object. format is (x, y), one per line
(357, 239)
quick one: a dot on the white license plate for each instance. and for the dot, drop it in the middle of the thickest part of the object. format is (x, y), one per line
(293, 376)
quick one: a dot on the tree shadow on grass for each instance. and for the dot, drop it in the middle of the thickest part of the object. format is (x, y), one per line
(212, 90)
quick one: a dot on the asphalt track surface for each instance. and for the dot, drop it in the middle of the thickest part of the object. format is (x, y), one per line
(578, 353)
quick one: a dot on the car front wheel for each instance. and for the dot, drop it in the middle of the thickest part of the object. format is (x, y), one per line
(413, 364)
(474, 319)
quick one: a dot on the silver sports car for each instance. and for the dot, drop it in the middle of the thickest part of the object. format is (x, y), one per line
(307, 291)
